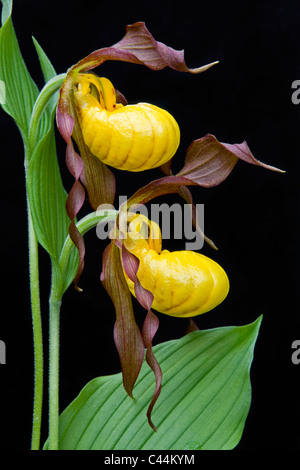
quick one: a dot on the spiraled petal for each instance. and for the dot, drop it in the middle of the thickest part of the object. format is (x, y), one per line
(127, 336)
(76, 196)
(130, 264)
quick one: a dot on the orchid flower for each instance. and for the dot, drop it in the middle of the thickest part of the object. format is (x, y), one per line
(183, 283)
(180, 283)
(110, 133)
(133, 138)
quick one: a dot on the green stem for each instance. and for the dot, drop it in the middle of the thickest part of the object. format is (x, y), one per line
(43, 99)
(56, 294)
(37, 333)
(36, 323)
(54, 304)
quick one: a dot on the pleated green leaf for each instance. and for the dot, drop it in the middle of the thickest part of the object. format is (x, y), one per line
(204, 403)
(48, 73)
(46, 66)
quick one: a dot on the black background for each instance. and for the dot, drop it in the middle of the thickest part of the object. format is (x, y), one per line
(253, 216)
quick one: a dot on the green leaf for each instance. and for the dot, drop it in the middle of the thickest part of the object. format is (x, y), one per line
(47, 68)
(49, 73)
(205, 398)
(6, 10)
(20, 90)
(47, 196)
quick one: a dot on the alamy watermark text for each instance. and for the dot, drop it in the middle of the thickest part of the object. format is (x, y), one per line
(175, 221)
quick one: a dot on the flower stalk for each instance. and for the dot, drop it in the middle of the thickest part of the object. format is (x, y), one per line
(54, 320)
(37, 333)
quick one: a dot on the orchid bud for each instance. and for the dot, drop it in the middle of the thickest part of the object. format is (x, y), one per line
(131, 137)
(183, 283)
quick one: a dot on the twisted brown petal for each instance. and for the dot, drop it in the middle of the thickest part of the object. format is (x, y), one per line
(76, 196)
(192, 326)
(150, 326)
(127, 336)
(97, 178)
(149, 330)
(139, 47)
(186, 194)
(209, 162)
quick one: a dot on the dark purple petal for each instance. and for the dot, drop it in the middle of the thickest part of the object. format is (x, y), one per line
(139, 47)
(65, 122)
(131, 264)
(120, 98)
(150, 328)
(78, 241)
(99, 181)
(191, 326)
(145, 298)
(127, 336)
(97, 178)
(76, 196)
(243, 152)
(209, 162)
(159, 187)
(186, 194)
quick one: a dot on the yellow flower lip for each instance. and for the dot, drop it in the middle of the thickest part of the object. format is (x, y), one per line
(183, 283)
(133, 137)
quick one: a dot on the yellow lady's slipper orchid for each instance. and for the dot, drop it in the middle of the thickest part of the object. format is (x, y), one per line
(132, 137)
(183, 283)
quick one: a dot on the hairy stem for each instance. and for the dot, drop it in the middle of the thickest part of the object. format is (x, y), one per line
(54, 304)
(37, 334)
